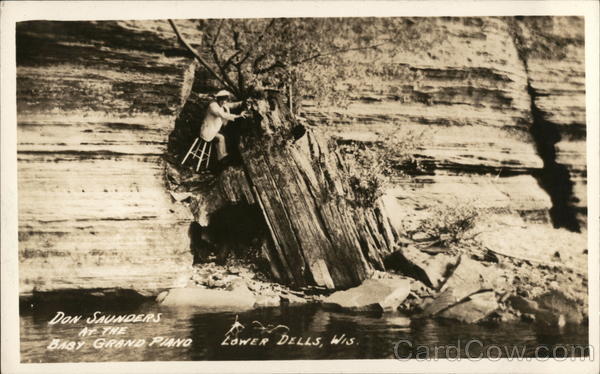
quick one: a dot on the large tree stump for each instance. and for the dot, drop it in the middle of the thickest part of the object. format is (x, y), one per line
(320, 234)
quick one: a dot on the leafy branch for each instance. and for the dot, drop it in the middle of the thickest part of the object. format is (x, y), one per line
(306, 56)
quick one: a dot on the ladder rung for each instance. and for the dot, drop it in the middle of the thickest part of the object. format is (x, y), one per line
(199, 151)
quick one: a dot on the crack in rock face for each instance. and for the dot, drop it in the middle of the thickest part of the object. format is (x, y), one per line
(554, 178)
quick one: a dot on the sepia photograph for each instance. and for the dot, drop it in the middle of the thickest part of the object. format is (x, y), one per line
(235, 188)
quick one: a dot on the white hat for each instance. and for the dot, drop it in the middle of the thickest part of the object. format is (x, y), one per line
(223, 93)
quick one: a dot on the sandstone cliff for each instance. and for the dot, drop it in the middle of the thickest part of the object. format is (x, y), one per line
(499, 108)
(97, 102)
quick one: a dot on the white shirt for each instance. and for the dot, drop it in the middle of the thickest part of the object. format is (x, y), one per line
(216, 116)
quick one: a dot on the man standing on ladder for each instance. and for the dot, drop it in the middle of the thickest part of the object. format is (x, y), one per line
(218, 115)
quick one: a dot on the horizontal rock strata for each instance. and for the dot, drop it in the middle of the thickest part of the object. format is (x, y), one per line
(95, 101)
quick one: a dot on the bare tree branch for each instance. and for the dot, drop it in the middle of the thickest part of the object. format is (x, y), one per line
(216, 37)
(278, 64)
(241, 78)
(267, 28)
(236, 40)
(215, 55)
(221, 66)
(199, 58)
(238, 65)
(229, 61)
(256, 42)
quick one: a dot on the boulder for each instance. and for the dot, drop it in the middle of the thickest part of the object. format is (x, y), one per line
(180, 196)
(398, 321)
(412, 262)
(522, 304)
(560, 305)
(161, 296)
(292, 299)
(551, 308)
(550, 318)
(468, 278)
(265, 301)
(173, 174)
(237, 299)
(476, 308)
(373, 295)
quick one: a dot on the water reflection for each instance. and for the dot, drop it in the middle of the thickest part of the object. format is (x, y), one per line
(312, 333)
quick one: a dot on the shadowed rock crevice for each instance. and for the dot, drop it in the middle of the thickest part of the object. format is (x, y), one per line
(554, 177)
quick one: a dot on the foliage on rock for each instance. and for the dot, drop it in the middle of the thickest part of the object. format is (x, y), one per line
(449, 223)
(366, 173)
(370, 166)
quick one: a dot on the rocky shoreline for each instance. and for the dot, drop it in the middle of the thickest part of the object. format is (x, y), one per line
(239, 282)
(468, 291)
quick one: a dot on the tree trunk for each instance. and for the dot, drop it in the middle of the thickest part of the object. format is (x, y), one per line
(320, 234)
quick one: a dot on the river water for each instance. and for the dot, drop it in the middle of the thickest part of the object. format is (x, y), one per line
(310, 332)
